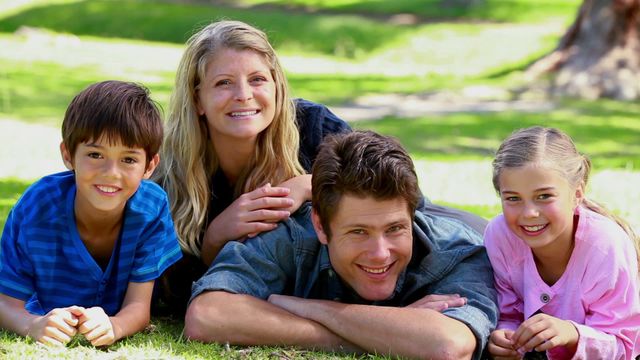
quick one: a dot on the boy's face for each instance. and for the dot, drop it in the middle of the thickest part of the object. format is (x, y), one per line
(107, 175)
(371, 243)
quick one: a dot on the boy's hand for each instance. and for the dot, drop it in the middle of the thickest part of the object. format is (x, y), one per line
(543, 332)
(56, 328)
(95, 325)
(500, 345)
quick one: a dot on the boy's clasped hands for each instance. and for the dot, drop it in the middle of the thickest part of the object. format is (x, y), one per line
(60, 325)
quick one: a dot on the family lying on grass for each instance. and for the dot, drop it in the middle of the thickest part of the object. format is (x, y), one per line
(278, 225)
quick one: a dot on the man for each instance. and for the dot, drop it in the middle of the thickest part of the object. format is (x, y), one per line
(360, 271)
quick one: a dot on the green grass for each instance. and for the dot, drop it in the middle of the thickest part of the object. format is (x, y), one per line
(608, 131)
(478, 10)
(163, 340)
(10, 191)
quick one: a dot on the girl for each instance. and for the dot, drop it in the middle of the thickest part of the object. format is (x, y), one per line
(566, 270)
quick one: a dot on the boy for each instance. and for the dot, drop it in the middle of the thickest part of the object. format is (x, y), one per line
(81, 249)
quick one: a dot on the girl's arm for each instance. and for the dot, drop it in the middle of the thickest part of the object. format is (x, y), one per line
(134, 316)
(55, 328)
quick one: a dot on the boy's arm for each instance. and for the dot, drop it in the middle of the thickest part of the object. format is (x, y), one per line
(223, 317)
(395, 331)
(134, 316)
(55, 328)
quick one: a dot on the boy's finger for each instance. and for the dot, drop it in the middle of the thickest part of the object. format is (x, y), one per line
(96, 333)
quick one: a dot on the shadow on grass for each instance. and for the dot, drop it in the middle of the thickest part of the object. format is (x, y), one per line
(340, 35)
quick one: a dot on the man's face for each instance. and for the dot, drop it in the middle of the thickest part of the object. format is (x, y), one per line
(371, 243)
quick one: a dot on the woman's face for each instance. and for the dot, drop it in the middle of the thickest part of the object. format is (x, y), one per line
(237, 95)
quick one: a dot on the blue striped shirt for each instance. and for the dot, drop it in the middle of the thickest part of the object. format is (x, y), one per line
(44, 262)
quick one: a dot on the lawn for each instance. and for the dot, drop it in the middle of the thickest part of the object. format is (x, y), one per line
(335, 52)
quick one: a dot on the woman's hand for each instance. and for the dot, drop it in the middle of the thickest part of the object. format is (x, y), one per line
(500, 345)
(299, 190)
(250, 214)
(542, 332)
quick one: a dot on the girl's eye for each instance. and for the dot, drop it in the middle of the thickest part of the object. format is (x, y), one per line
(511, 198)
(544, 196)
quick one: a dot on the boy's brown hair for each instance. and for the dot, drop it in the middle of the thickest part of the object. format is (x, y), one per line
(117, 110)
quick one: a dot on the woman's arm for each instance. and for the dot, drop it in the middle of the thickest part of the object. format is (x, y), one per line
(250, 214)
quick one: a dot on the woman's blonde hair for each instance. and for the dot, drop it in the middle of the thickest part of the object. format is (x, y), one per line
(188, 158)
(554, 149)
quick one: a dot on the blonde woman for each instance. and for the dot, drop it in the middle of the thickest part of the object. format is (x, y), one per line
(237, 151)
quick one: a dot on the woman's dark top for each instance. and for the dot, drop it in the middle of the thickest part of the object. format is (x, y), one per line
(315, 121)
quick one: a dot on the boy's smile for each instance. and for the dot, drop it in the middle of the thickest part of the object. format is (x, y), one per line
(107, 175)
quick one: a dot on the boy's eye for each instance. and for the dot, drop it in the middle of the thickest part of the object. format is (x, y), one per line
(94, 155)
(129, 160)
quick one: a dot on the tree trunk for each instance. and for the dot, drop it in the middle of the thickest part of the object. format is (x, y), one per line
(599, 56)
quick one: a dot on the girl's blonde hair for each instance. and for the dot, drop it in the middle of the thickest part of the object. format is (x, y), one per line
(189, 160)
(556, 150)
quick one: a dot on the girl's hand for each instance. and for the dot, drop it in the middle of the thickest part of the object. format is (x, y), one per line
(250, 214)
(543, 332)
(500, 345)
(439, 302)
(299, 190)
(96, 326)
(56, 328)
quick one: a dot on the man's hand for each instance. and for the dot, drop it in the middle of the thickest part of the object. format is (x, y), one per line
(56, 328)
(95, 325)
(439, 302)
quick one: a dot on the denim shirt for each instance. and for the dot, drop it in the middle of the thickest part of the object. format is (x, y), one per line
(448, 258)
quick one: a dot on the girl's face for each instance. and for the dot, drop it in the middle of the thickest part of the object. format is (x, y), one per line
(539, 204)
(237, 95)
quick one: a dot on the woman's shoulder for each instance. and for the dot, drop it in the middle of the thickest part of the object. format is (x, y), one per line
(318, 118)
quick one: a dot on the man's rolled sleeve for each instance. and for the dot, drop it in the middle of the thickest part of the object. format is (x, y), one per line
(258, 267)
(473, 278)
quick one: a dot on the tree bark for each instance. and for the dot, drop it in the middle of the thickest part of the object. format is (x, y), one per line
(599, 55)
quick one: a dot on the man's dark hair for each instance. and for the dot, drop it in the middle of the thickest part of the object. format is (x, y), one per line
(362, 164)
(117, 111)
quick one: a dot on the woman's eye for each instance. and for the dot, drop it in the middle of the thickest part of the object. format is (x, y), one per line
(223, 82)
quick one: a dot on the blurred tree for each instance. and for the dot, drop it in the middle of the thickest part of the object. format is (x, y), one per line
(599, 56)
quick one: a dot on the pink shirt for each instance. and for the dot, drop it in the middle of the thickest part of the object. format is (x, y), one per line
(599, 290)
